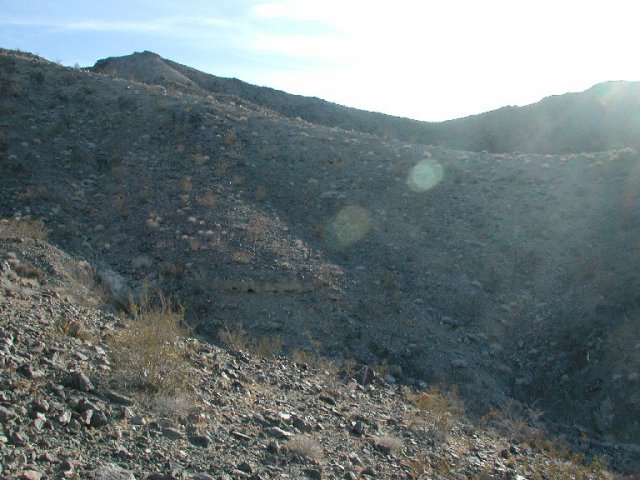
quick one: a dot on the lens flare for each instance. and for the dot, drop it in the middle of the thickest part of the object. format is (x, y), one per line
(424, 175)
(351, 224)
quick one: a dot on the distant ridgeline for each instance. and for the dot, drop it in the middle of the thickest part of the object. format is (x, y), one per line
(605, 117)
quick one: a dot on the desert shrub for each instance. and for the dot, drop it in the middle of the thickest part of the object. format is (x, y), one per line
(304, 446)
(221, 167)
(208, 200)
(242, 257)
(261, 193)
(268, 347)
(148, 354)
(255, 232)
(23, 227)
(234, 337)
(387, 444)
(230, 137)
(439, 407)
(185, 185)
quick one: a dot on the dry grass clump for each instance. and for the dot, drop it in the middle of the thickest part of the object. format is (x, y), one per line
(304, 446)
(23, 227)
(148, 355)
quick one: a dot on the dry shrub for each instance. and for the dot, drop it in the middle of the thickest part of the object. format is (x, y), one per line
(230, 137)
(261, 193)
(185, 185)
(268, 347)
(234, 337)
(442, 408)
(304, 446)
(200, 159)
(221, 167)
(208, 200)
(121, 204)
(303, 357)
(516, 422)
(26, 271)
(255, 232)
(242, 257)
(388, 444)
(23, 227)
(558, 463)
(148, 355)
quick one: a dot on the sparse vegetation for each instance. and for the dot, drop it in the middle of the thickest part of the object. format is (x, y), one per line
(148, 353)
(17, 227)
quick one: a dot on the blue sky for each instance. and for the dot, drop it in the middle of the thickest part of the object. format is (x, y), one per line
(429, 60)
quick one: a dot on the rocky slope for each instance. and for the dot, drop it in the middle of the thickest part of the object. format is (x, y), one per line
(507, 276)
(67, 412)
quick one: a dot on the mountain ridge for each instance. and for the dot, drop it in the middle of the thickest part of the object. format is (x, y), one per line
(534, 128)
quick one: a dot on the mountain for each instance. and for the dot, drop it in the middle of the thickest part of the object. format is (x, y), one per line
(605, 117)
(510, 279)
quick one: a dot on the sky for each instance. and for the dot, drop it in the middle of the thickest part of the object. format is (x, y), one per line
(430, 60)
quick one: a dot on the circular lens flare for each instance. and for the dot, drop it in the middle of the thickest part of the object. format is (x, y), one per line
(424, 175)
(351, 224)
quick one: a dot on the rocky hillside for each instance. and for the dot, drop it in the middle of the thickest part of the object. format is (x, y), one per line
(511, 278)
(90, 395)
(602, 118)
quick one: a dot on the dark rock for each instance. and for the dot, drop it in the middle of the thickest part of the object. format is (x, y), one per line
(172, 433)
(85, 417)
(278, 432)
(328, 399)
(300, 424)
(202, 441)
(17, 438)
(315, 473)
(241, 436)
(358, 428)
(6, 414)
(80, 381)
(31, 372)
(245, 467)
(98, 419)
(369, 471)
(119, 398)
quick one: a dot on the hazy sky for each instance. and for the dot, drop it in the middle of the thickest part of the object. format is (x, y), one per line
(429, 60)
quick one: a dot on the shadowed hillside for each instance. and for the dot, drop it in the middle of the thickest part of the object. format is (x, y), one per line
(506, 277)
